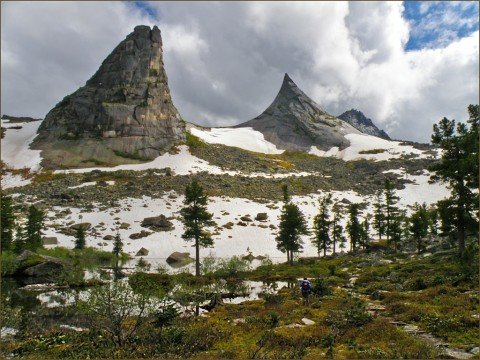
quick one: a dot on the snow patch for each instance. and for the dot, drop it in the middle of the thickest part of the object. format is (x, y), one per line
(244, 138)
(16, 153)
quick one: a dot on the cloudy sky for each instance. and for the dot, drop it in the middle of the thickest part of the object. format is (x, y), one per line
(405, 65)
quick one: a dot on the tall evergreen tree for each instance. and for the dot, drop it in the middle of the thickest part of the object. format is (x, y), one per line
(433, 220)
(391, 210)
(365, 233)
(34, 227)
(7, 223)
(196, 219)
(80, 238)
(337, 228)
(396, 232)
(378, 215)
(354, 228)
(418, 226)
(292, 226)
(321, 226)
(458, 167)
(117, 251)
(20, 243)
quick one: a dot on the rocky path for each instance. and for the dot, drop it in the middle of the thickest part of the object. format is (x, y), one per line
(376, 309)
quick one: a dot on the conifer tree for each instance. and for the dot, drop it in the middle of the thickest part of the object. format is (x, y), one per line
(365, 234)
(390, 210)
(419, 226)
(458, 167)
(117, 251)
(7, 223)
(354, 228)
(196, 219)
(337, 229)
(80, 239)
(34, 227)
(292, 226)
(378, 215)
(321, 226)
(433, 220)
(396, 232)
(20, 243)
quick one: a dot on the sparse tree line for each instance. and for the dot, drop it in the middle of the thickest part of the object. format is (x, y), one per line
(455, 217)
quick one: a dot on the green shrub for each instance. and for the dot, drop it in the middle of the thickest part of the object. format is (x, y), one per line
(321, 288)
(9, 263)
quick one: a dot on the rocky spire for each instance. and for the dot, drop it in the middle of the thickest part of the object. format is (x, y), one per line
(295, 122)
(123, 113)
(359, 121)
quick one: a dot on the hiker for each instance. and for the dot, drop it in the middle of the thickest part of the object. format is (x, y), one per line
(306, 287)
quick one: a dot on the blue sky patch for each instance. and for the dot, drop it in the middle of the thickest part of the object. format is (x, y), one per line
(435, 24)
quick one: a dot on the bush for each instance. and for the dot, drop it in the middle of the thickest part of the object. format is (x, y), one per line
(9, 263)
(321, 288)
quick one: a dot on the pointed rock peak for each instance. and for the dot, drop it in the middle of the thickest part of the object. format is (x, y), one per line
(288, 83)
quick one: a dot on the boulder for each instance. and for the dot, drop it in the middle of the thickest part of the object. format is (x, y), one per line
(246, 218)
(49, 240)
(140, 235)
(158, 223)
(108, 237)
(85, 226)
(40, 268)
(142, 252)
(261, 217)
(178, 259)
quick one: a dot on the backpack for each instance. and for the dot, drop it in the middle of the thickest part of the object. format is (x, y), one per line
(305, 286)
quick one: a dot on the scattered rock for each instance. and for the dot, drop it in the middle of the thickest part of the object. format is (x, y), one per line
(308, 321)
(246, 218)
(178, 259)
(85, 226)
(124, 226)
(50, 240)
(140, 235)
(158, 223)
(241, 223)
(261, 217)
(142, 252)
(228, 225)
(108, 237)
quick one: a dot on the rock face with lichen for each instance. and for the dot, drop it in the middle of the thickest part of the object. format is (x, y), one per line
(123, 114)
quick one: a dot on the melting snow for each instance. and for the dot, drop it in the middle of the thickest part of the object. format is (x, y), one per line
(15, 146)
(243, 138)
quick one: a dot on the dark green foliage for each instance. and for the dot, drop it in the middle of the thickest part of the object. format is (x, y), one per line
(321, 226)
(378, 216)
(33, 236)
(166, 316)
(195, 219)
(117, 245)
(337, 231)
(390, 209)
(458, 167)
(292, 226)
(396, 232)
(7, 223)
(354, 228)
(80, 240)
(418, 226)
(433, 220)
(321, 288)
(365, 234)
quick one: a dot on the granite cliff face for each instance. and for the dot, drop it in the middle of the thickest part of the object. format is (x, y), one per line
(123, 114)
(295, 122)
(359, 121)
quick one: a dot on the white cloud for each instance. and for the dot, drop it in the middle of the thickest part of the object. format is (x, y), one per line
(225, 61)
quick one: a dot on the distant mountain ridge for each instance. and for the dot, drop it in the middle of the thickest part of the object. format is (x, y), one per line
(360, 122)
(295, 122)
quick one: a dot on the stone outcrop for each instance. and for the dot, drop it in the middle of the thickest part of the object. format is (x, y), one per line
(295, 122)
(157, 223)
(360, 122)
(178, 259)
(35, 268)
(123, 114)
